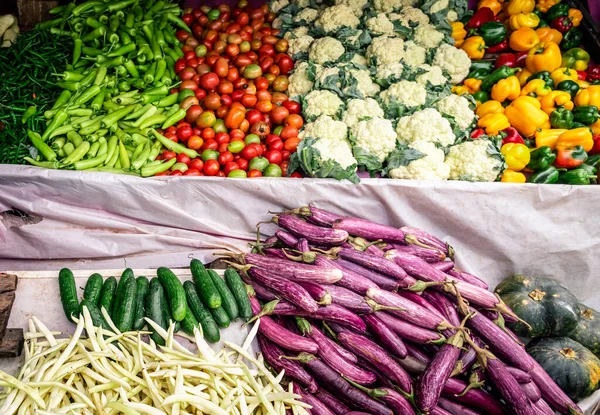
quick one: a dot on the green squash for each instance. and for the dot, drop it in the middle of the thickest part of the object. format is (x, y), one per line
(548, 307)
(587, 331)
(573, 367)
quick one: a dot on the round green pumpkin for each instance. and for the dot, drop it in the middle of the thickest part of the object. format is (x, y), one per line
(587, 331)
(573, 367)
(548, 307)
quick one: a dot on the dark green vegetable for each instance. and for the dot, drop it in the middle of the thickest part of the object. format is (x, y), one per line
(228, 302)
(558, 10)
(568, 86)
(127, 274)
(107, 296)
(492, 33)
(577, 176)
(210, 329)
(125, 311)
(189, 323)
(545, 76)
(140, 303)
(238, 289)
(175, 293)
(571, 39)
(499, 74)
(587, 331)
(95, 314)
(93, 288)
(206, 288)
(586, 114)
(68, 293)
(549, 175)
(154, 310)
(220, 316)
(541, 158)
(561, 118)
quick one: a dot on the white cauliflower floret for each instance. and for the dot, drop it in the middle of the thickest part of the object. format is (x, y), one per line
(322, 73)
(427, 35)
(340, 151)
(392, 5)
(389, 70)
(361, 108)
(321, 102)
(410, 15)
(425, 125)
(430, 167)
(376, 136)
(386, 50)
(365, 84)
(457, 107)
(414, 55)
(277, 5)
(433, 75)
(440, 5)
(325, 128)
(359, 60)
(302, 4)
(308, 15)
(299, 82)
(326, 49)
(299, 45)
(409, 93)
(471, 161)
(277, 23)
(357, 6)
(380, 25)
(297, 32)
(455, 61)
(335, 17)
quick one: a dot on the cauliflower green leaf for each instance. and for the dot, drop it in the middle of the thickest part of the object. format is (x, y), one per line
(308, 159)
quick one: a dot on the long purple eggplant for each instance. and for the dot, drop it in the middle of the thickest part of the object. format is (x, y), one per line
(519, 375)
(476, 398)
(313, 233)
(294, 270)
(427, 254)
(542, 408)
(443, 266)
(290, 290)
(261, 291)
(552, 393)
(395, 400)
(330, 356)
(419, 354)
(345, 353)
(286, 238)
(352, 301)
(366, 277)
(466, 360)
(317, 216)
(410, 332)
(293, 370)
(456, 408)
(532, 391)
(382, 265)
(381, 378)
(444, 306)
(421, 300)
(439, 411)
(317, 291)
(375, 250)
(508, 387)
(416, 266)
(375, 354)
(318, 407)
(369, 230)
(416, 236)
(332, 402)
(350, 280)
(466, 277)
(388, 338)
(302, 245)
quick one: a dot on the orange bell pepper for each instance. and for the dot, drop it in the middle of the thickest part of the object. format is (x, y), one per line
(588, 96)
(489, 107)
(507, 88)
(575, 137)
(460, 90)
(519, 6)
(523, 39)
(544, 5)
(576, 16)
(458, 33)
(556, 99)
(548, 137)
(474, 46)
(473, 84)
(547, 34)
(493, 123)
(564, 74)
(595, 128)
(525, 114)
(495, 5)
(544, 56)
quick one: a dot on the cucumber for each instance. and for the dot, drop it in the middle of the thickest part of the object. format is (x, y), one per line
(238, 289)
(209, 326)
(189, 323)
(68, 293)
(93, 289)
(164, 305)
(175, 293)
(107, 296)
(153, 308)
(206, 288)
(125, 311)
(140, 303)
(127, 274)
(227, 299)
(95, 314)
(220, 316)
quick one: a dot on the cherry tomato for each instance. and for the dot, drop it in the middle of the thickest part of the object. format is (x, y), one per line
(221, 112)
(264, 95)
(209, 154)
(219, 126)
(183, 158)
(286, 155)
(189, 55)
(176, 173)
(236, 146)
(243, 163)
(261, 129)
(195, 142)
(222, 138)
(254, 173)
(249, 100)
(211, 167)
(261, 83)
(258, 163)
(289, 132)
(265, 64)
(294, 120)
(187, 73)
(209, 81)
(184, 132)
(264, 106)
(276, 145)
(225, 158)
(236, 96)
(250, 151)
(221, 67)
(274, 156)
(237, 174)
(281, 45)
(202, 69)
(242, 19)
(180, 65)
(229, 167)
(212, 101)
(236, 134)
(220, 173)
(252, 139)
(245, 46)
(189, 84)
(209, 145)
(286, 64)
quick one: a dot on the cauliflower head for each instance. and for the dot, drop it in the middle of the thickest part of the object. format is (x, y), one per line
(389, 71)
(458, 107)
(340, 151)
(408, 93)
(380, 25)
(325, 127)
(335, 17)
(277, 5)
(475, 161)
(376, 136)
(386, 49)
(388, 6)
(299, 45)
(359, 60)
(297, 32)
(425, 125)
(430, 166)
(433, 75)
(301, 4)
(322, 73)
(361, 108)
(444, 5)
(321, 102)
(414, 55)
(410, 15)
(308, 15)
(299, 84)
(428, 36)
(325, 49)
(357, 6)
(455, 61)
(364, 83)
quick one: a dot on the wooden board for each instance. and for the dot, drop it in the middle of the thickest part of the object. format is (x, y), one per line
(32, 12)
(8, 286)
(12, 344)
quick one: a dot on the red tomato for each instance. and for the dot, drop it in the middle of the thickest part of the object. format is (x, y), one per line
(243, 163)
(236, 134)
(240, 83)
(274, 156)
(195, 142)
(264, 95)
(249, 100)
(281, 83)
(200, 94)
(281, 45)
(261, 83)
(208, 133)
(284, 166)
(267, 49)
(222, 138)
(276, 145)
(210, 145)
(232, 165)
(176, 173)
(221, 67)
(192, 172)
(253, 116)
(220, 173)
(225, 157)
(223, 147)
(183, 158)
(196, 13)
(236, 96)
(232, 50)
(206, 119)
(254, 173)
(289, 132)
(221, 112)
(209, 81)
(211, 167)
(184, 132)
(212, 101)
(279, 114)
(291, 144)
(286, 154)
(265, 63)
(186, 73)
(168, 155)
(286, 64)
(171, 136)
(192, 63)
(233, 74)
(197, 164)
(203, 68)
(242, 19)
(189, 55)
(249, 152)
(294, 120)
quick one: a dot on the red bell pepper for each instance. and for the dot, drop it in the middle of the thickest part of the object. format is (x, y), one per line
(476, 133)
(521, 57)
(508, 59)
(563, 24)
(496, 19)
(481, 16)
(570, 158)
(593, 73)
(596, 148)
(511, 135)
(581, 75)
(500, 47)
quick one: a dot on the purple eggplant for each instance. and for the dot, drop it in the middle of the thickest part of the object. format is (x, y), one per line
(416, 236)
(456, 408)
(369, 230)
(366, 277)
(350, 280)
(466, 360)
(381, 378)
(392, 398)
(388, 338)
(293, 270)
(532, 391)
(333, 358)
(271, 241)
(290, 290)
(466, 277)
(551, 393)
(476, 398)
(261, 291)
(443, 266)
(332, 402)
(346, 354)
(416, 266)
(410, 332)
(293, 370)
(317, 216)
(427, 254)
(418, 353)
(542, 408)
(318, 292)
(318, 407)
(302, 245)
(421, 300)
(508, 387)
(519, 375)
(439, 411)
(357, 413)
(313, 233)
(375, 354)
(352, 301)
(444, 306)
(382, 265)
(286, 238)
(375, 250)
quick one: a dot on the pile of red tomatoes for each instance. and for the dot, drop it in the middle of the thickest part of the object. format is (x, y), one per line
(234, 75)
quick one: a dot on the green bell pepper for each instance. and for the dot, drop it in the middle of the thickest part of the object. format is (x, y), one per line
(586, 114)
(568, 86)
(481, 96)
(541, 158)
(480, 74)
(571, 57)
(577, 176)
(591, 169)
(558, 10)
(577, 124)
(492, 33)
(561, 118)
(571, 39)
(543, 23)
(547, 176)
(480, 69)
(593, 160)
(545, 76)
(502, 72)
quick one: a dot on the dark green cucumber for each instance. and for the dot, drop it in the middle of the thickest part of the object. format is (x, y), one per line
(154, 310)
(220, 316)
(127, 274)
(189, 323)
(206, 288)
(68, 293)
(164, 304)
(107, 296)
(93, 289)
(204, 317)
(175, 293)
(140, 303)
(238, 289)
(227, 299)
(95, 314)
(125, 312)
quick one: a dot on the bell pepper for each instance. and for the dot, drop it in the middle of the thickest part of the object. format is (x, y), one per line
(547, 137)
(544, 24)
(545, 5)
(576, 16)
(544, 56)
(500, 47)
(523, 39)
(576, 58)
(458, 33)
(582, 75)
(492, 33)
(593, 73)
(547, 176)
(508, 59)
(568, 86)
(511, 135)
(561, 118)
(536, 88)
(569, 158)
(571, 39)
(575, 137)
(460, 90)
(595, 127)
(511, 176)
(525, 115)
(521, 59)
(524, 20)
(516, 155)
(582, 84)
(489, 107)
(556, 99)
(480, 69)
(480, 97)
(547, 34)
(474, 46)
(473, 84)
(563, 74)
(494, 5)
(540, 158)
(562, 24)
(507, 88)
(519, 6)
(481, 16)
(499, 74)
(523, 75)
(544, 76)
(558, 10)
(596, 148)
(493, 123)
(587, 114)
(588, 96)
(478, 132)
(593, 161)
(577, 177)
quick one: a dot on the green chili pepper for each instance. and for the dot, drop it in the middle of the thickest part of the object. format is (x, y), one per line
(58, 143)
(44, 164)
(577, 176)
(156, 51)
(541, 158)
(500, 73)
(68, 148)
(113, 7)
(176, 117)
(77, 45)
(29, 112)
(167, 101)
(74, 138)
(124, 86)
(172, 110)
(543, 75)
(568, 86)
(123, 156)
(148, 171)
(178, 22)
(142, 157)
(66, 33)
(558, 10)
(58, 120)
(98, 100)
(44, 149)
(123, 50)
(149, 75)
(147, 114)
(62, 99)
(153, 120)
(138, 150)
(94, 24)
(130, 20)
(113, 22)
(93, 150)
(91, 128)
(89, 94)
(571, 39)
(61, 131)
(561, 118)
(89, 79)
(161, 68)
(94, 34)
(586, 114)
(549, 175)
(71, 86)
(131, 69)
(112, 118)
(171, 145)
(77, 155)
(90, 162)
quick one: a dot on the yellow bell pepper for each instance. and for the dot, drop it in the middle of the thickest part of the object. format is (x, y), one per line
(575, 137)
(493, 123)
(525, 115)
(536, 88)
(523, 39)
(547, 34)
(489, 107)
(556, 99)
(523, 75)
(517, 21)
(507, 88)
(520, 6)
(473, 84)
(563, 74)
(495, 5)
(516, 155)
(474, 46)
(595, 128)
(544, 5)
(544, 56)
(460, 90)
(548, 137)
(458, 33)
(582, 84)
(589, 96)
(576, 16)
(511, 176)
